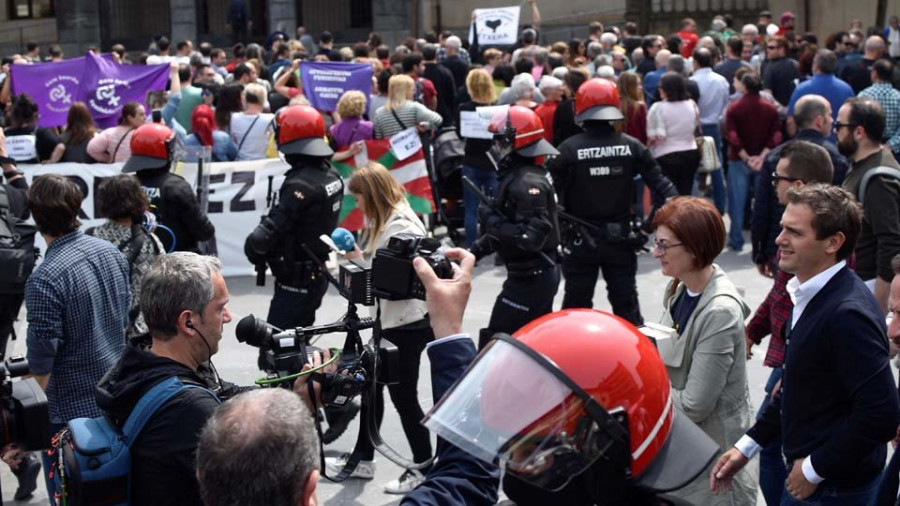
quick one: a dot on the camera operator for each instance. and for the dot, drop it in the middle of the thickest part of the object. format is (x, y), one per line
(522, 225)
(260, 434)
(24, 467)
(184, 302)
(404, 322)
(308, 205)
(152, 152)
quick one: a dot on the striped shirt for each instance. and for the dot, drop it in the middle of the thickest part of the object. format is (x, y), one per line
(77, 301)
(410, 114)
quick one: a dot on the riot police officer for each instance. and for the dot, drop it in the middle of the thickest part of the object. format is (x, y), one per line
(309, 205)
(594, 178)
(182, 224)
(522, 225)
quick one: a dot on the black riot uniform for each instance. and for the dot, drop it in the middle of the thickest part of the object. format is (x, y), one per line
(175, 204)
(523, 229)
(309, 205)
(171, 197)
(594, 178)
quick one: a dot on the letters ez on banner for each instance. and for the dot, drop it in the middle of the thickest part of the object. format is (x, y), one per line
(107, 86)
(325, 82)
(496, 26)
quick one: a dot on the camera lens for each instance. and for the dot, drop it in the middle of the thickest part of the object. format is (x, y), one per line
(253, 331)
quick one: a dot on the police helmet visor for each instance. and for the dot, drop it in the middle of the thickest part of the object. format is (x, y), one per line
(140, 162)
(312, 146)
(510, 411)
(601, 113)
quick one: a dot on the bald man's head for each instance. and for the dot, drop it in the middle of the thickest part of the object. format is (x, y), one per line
(813, 112)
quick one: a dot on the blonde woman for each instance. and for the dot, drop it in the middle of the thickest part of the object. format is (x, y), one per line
(350, 129)
(402, 112)
(404, 323)
(250, 129)
(476, 164)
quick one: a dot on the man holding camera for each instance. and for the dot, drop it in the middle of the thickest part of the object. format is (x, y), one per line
(521, 226)
(184, 301)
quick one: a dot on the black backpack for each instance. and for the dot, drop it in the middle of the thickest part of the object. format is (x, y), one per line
(17, 251)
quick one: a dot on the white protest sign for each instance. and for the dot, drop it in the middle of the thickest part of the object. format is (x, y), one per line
(22, 147)
(473, 126)
(496, 26)
(406, 143)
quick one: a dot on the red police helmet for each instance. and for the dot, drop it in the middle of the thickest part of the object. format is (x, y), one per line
(152, 147)
(522, 128)
(597, 99)
(566, 390)
(300, 129)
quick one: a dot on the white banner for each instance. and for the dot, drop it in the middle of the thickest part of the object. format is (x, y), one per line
(496, 26)
(237, 199)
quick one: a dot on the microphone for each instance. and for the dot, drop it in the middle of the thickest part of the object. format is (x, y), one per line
(343, 239)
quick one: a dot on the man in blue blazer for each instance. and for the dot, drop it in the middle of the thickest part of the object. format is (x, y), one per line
(838, 404)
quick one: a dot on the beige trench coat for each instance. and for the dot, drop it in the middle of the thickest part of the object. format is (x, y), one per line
(707, 366)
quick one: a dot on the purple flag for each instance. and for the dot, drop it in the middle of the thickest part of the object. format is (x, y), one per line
(107, 86)
(53, 87)
(325, 82)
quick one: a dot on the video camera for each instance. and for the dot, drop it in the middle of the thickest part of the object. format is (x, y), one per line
(287, 352)
(391, 275)
(23, 407)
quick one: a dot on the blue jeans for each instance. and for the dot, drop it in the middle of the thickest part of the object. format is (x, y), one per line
(738, 192)
(772, 474)
(827, 495)
(486, 180)
(718, 179)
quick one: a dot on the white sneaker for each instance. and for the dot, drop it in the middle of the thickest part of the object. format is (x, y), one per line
(409, 480)
(365, 470)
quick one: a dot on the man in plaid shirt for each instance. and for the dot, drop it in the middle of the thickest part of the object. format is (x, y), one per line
(883, 92)
(77, 299)
(799, 163)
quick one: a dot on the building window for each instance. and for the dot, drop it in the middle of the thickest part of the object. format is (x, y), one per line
(30, 9)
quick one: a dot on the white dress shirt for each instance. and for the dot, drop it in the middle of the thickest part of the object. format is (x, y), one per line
(800, 294)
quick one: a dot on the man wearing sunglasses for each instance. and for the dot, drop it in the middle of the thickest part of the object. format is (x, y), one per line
(860, 128)
(779, 71)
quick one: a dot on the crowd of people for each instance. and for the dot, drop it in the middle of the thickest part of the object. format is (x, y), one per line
(758, 127)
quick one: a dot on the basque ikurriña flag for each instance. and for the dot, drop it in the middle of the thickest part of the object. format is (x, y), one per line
(411, 173)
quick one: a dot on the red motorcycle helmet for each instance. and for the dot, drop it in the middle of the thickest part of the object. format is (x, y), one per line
(520, 128)
(300, 129)
(566, 390)
(597, 99)
(152, 147)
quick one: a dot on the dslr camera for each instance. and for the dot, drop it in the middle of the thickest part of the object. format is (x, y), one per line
(391, 275)
(23, 406)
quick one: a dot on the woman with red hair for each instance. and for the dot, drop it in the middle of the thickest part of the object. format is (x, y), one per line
(206, 133)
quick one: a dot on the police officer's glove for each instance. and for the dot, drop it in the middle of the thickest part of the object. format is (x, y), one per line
(535, 234)
(261, 241)
(484, 214)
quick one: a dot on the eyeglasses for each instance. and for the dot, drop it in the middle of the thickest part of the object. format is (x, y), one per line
(848, 43)
(777, 177)
(664, 247)
(838, 125)
(772, 48)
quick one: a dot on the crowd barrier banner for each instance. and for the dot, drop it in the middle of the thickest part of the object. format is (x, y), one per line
(325, 82)
(239, 194)
(237, 199)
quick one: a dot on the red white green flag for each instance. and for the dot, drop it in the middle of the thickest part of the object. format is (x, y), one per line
(411, 173)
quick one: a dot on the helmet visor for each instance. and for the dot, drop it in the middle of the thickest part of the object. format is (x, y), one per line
(509, 410)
